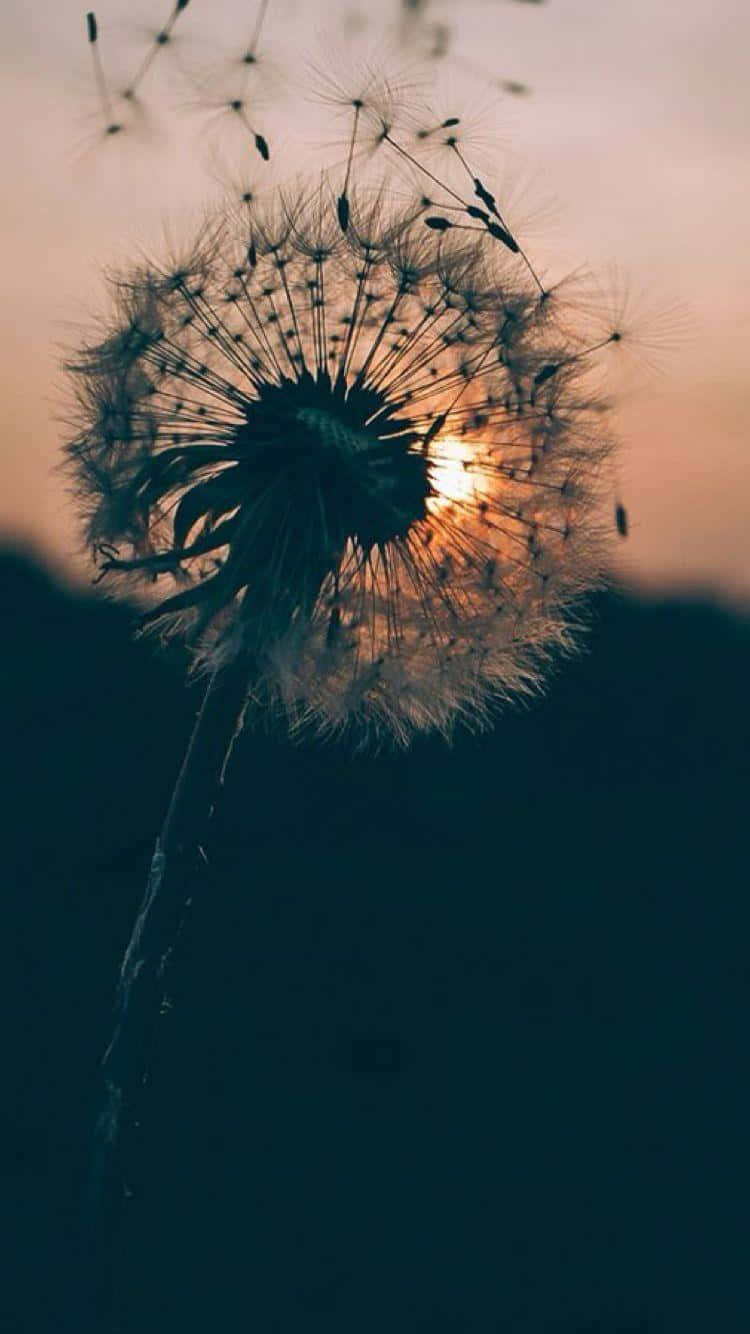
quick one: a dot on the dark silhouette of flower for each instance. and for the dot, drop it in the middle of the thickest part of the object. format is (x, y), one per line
(363, 457)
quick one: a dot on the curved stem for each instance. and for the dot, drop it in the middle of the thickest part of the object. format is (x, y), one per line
(177, 866)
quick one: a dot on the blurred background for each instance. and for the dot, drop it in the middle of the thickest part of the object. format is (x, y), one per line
(456, 1038)
(617, 132)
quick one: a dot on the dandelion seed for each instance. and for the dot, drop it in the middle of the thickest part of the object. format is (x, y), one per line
(342, 205)
(370, 102)
(244, 73)
(639, 327)
(111, 126)
(236, 109)
(514, 87)
(441, 42)
(436, 39)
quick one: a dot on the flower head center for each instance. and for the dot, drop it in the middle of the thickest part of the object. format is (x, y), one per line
(335, 433)
(332, 466)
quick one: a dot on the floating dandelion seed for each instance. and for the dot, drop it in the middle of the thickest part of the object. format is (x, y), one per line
(234, 88)
(364, 461)
(120, 109)
(111, 125)
(429, 29)
(118, 114)
(236, 110)
(641, 328)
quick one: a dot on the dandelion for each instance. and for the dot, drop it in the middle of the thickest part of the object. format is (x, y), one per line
(334, 462)
(365, 462)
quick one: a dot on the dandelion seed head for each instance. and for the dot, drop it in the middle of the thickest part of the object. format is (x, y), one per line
(334, 452)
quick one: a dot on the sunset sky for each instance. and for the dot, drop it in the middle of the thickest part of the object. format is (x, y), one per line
(636, 130)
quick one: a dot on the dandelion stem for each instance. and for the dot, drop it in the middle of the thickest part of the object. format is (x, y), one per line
(177, 866)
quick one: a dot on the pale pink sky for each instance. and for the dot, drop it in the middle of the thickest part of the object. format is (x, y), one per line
(638, 129)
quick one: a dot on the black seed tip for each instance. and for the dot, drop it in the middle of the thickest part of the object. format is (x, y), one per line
(500, 234)
(485, 196)
(252, 255)
(334, 626)
(433, 430)
(621, 520)
(342, 208)
(91, 27)
(546, 373)
(438, 224)
(262, 147)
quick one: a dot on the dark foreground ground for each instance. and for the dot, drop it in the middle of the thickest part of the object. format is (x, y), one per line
(459, 1038)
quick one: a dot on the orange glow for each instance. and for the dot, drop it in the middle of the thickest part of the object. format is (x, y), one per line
(452, 475)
